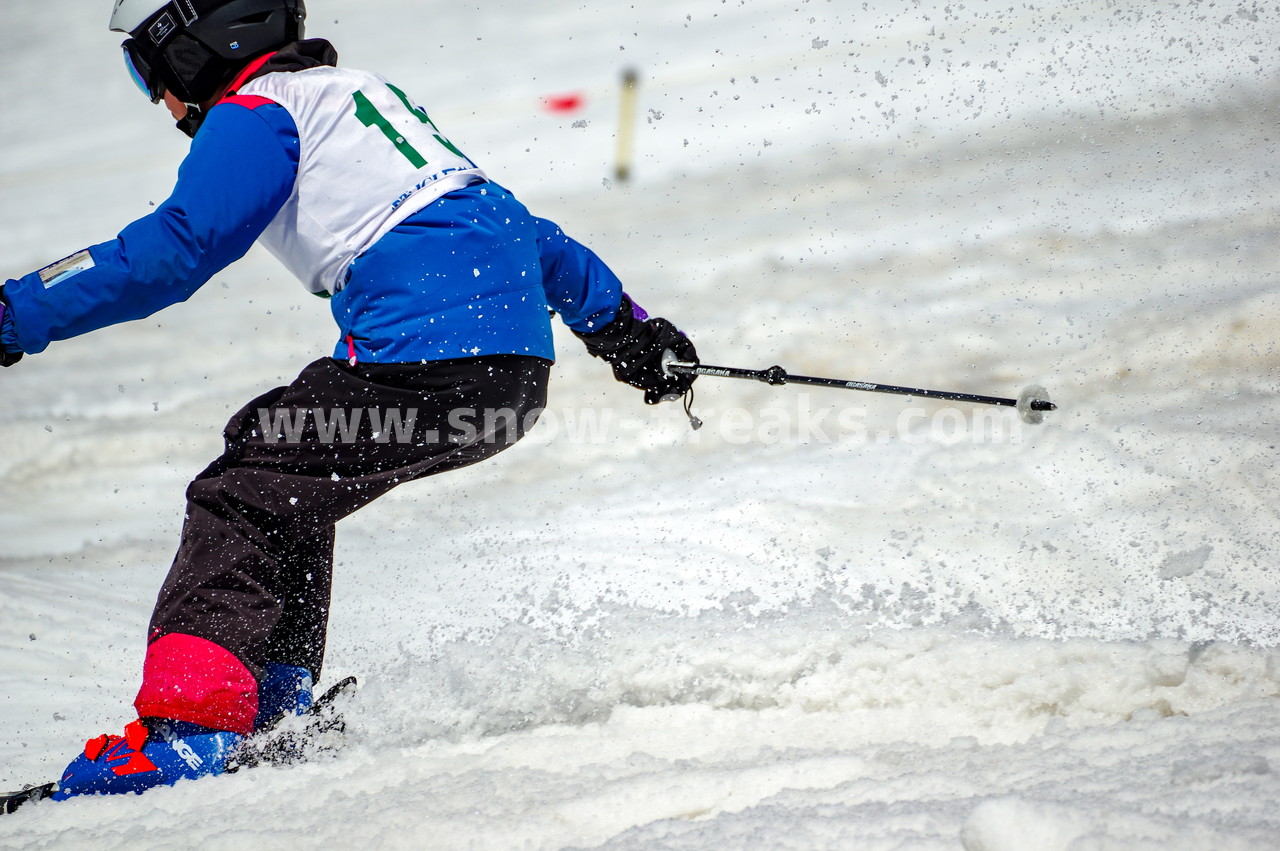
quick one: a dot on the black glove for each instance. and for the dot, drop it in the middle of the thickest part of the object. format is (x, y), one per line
(7, 358)
(633, 344)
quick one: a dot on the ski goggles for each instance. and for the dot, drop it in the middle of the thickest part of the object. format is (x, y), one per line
(140, 70)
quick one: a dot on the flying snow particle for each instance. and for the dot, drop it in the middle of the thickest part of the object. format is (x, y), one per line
(1179, 565)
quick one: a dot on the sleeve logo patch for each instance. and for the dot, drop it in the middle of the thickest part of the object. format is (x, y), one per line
(56, 273)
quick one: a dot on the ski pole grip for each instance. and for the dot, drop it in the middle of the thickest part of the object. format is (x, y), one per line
(672, 365)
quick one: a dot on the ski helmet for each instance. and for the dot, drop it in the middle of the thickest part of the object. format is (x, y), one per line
(194, 47)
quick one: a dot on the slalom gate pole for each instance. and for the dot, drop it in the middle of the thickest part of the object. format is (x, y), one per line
(1032, 404)
(627, 124)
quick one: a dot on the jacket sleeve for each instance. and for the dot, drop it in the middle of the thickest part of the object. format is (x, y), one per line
(579, 286)
(239, 173)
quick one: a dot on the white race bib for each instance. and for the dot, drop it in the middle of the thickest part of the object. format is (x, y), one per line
(370, 159)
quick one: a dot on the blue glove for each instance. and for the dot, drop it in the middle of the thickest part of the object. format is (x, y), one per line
(7, 358)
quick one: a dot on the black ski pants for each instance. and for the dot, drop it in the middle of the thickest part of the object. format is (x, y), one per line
(253, 570)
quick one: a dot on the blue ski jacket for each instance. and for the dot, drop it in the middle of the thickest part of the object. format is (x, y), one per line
(472, 274)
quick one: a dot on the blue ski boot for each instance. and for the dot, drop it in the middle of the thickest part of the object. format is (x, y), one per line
(158, 752)
(153, 752)
(284, 690)
(291, 727)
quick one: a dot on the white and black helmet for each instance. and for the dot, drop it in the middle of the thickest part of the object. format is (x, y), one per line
(194, 47)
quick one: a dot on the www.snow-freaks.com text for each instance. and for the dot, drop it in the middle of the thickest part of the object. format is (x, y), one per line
(800, 424)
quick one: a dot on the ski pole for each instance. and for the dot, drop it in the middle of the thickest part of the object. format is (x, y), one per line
(1032, 404)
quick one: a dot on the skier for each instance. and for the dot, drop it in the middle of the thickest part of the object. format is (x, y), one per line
(440, 282)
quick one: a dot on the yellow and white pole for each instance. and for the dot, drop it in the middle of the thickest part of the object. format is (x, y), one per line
(627, 123)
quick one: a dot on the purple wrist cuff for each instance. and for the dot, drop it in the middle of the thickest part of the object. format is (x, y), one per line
(637, 311)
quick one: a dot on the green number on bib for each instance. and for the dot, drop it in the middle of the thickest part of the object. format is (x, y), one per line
(371, 117)
(422, 116)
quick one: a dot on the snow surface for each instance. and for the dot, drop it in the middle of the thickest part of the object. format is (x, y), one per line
(827, 620)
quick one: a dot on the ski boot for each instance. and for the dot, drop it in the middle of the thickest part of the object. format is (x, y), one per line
(152, 752)
(291, 727)
(285, 690)
(159, 752)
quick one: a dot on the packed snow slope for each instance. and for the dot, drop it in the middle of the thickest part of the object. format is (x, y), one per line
(826, 620)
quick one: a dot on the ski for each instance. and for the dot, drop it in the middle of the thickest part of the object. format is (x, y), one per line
(289, 740)
(13, 800)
